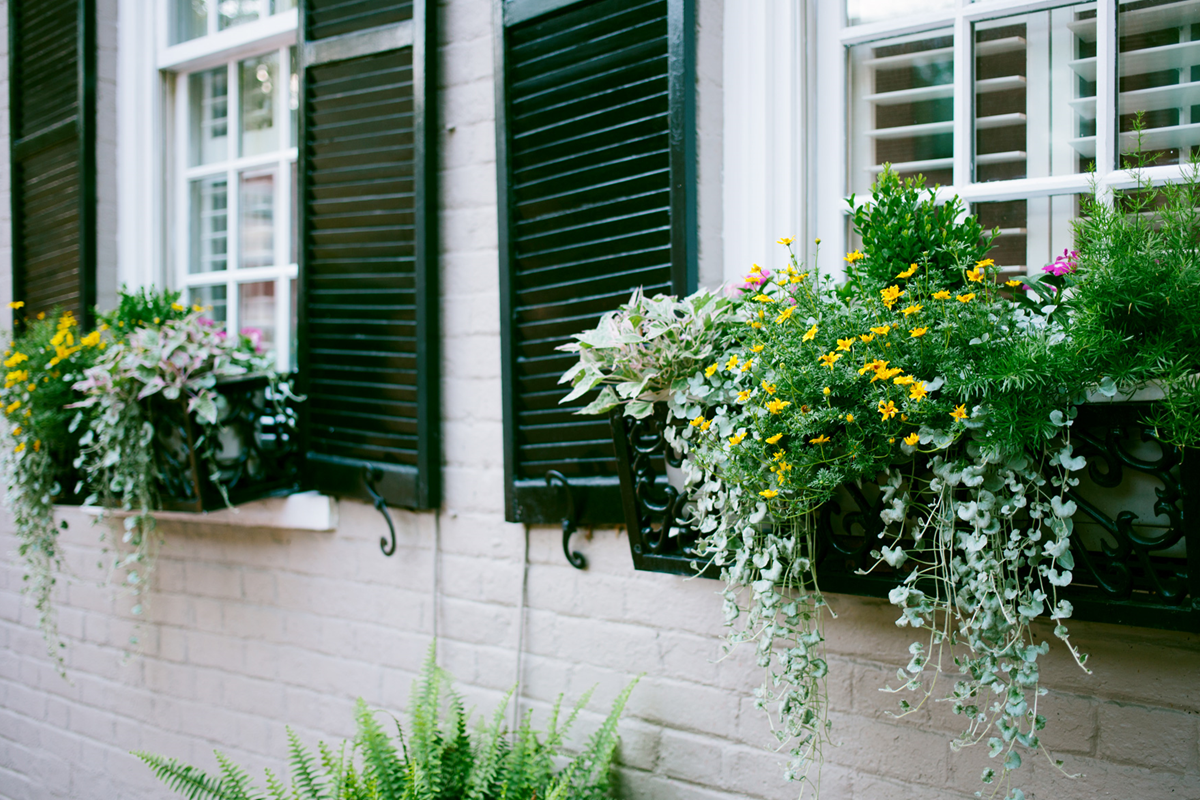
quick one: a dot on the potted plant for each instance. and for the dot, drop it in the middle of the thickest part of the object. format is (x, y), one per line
(938, 401)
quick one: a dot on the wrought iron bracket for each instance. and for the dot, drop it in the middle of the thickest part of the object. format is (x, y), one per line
(371, 476)
(575, 558)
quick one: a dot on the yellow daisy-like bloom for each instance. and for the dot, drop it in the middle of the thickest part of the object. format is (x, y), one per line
(736, 439)
(785, 315)
(882, 330)
(809, 334)
(904, 380)
(777, 405)
(867, 337)
(849, 418)
(37, 445)
(16, 304)
(975, 275)
(41, 315)
(822, 439)
(774, 439)
(853, 257)
(91, 340)
(829, 359)
(987, 262)
(769, 388)
(31, 386)
(965, 298)
(845, 344)
(758, 348)
(768, 493)
(913, 309)
(14, 359)
(11, 407)
(908, 273)
(697, 422)
(799, 278)
(704, 425)
(19, 448)
(917, 392)
(745, 395)
(825, 391)
(748, 365)
(942, 295)
(17, 431)
(1012, 284)
(755, 269)
(177, 307)
(764, 298)
(917, 333)
(785, 241)
(887, 410)
(872, 366)
(890, 295)
(960, 412)
(711, 370)
(732, 363)
(197, 308)
(912, 439)
(754, 324)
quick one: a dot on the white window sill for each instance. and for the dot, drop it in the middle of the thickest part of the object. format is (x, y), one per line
(306, 511)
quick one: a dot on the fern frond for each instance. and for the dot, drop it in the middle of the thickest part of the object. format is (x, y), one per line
(234, 780)
(304, 770)
(191, 782)
(381, 763)
(275, 788)
(488, 753)
(590, 770)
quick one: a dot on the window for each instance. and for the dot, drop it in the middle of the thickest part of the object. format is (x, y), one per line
(235, 166)
(1015, 106)
(596, 168)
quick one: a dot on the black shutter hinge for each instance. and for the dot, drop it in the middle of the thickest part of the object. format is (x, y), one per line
(575, 558)
(371, 475)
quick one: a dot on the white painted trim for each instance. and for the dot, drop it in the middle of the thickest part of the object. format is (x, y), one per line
(277, 30)
(305, 511)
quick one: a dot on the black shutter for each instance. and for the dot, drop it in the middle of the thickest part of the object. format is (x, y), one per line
(52, 105)
(595, 138)
(368, 213)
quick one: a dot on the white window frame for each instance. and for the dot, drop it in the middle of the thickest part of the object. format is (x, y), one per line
(832, 39)
(275, 33)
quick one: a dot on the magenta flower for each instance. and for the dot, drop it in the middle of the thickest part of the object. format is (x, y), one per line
(1067, 263)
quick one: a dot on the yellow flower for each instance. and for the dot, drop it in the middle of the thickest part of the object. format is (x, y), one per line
(822, 439)
(845, 344)
(732, 363)
(853, 257)
(13, 406)
(745, 395)
(16, 431)
(987, 262)
(872, 366)
(825, 391)
(890, 295)
(1012, 284)
(942, 295)
(37, 445)
(769, 388)
(704, 425)
(697, 422)
(711, 370)
(754, 323)
(867, 337)
(904, 380)
(758, 348)
(755, 269)
(31, 386)
(817, 241)
(736, 439)
(829, 359)
(882, 330)
(777, 405)
(785, 316)
(849, 418)
(912, 439)
(748, 365)
(177, 307)
(774, 439)
(965, 298)
(15, 359)
(16, 304)
(157, 320)
(908, 273)
(960, 412)
(887, 410)
(913, 309)
(785, 241)
(91, 340)
(19, 448)
(917, 333)
(810, 334)
(41, 315)
(884, 374)
(917, 392)
(975, 275)
(764, 298)
(197, 308)
(768, 493)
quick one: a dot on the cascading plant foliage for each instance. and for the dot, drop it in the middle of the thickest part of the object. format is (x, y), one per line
(949, 389)
(436, 758)
(80, 424)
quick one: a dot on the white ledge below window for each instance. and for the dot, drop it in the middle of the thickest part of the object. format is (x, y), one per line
(304, 511)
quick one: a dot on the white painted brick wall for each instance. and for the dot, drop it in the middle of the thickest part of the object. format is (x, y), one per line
(250, 630)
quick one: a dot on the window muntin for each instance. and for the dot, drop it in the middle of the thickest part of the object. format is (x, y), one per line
(860, 12)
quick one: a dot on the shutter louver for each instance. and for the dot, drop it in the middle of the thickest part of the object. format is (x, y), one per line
(52, 103)
(595, 193)
(368, 313)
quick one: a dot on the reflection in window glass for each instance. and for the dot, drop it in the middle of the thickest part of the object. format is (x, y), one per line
(901, 97)
(1158, 64)
(190, 20)
(256, 210)
(294, 94)
(209, 228)
(256, 313)
(859, 12)
(1035, 115)
(293, 334)
(213, 299)
(1032, 232)
(238, 12)
(258, 83)
(295, 226)
(208, 99)
(283, 5)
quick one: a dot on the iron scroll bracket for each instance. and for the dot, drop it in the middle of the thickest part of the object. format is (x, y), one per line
(575, 558)
(371, 475)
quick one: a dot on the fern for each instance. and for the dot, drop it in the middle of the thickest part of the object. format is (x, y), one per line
(304, 777)
(191, 782)
(380, 761)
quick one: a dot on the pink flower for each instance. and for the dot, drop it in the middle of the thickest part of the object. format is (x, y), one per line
(1066, 263)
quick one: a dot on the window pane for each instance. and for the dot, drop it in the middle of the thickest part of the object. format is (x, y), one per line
(1032, 232)
(190, 18)
(212, 298)
(295, 222)
(208, 97)
(258, 82)
(862, 11)
(283, 5)
(238, 12)
(209, 229)
(256, 313)
(256, 204)
(1035, 115)
(1159, 76)
(901, 98)
(293, 333)
(294, 95)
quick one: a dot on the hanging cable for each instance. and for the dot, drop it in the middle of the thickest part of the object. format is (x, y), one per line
(516, 712)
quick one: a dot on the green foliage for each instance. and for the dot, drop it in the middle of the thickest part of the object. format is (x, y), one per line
(437, 760)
